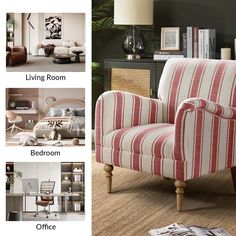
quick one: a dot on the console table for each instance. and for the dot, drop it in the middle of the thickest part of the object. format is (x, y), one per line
(139, 76)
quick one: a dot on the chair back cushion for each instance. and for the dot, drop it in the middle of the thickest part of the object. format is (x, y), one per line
(214, 80)
(47, 187)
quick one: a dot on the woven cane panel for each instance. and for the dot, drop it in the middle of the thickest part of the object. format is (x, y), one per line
(131, 80)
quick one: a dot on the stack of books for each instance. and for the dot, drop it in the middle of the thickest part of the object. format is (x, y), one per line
(178, 229)
(199, 43)
(165, 55)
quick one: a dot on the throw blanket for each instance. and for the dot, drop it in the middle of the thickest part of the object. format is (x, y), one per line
(71, 127)
(49, 49)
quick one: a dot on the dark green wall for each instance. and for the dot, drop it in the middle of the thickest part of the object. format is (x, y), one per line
(217, 14)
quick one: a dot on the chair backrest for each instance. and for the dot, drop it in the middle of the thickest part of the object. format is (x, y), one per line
(48, 188)
(11, 116)
(214, 80)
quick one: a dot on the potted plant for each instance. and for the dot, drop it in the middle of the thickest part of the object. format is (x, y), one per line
(11, 179)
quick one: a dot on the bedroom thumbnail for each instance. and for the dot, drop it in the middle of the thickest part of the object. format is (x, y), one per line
(45, 117)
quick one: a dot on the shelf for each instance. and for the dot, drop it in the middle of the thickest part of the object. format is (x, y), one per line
(16, 94)
(9, 173)
(66, 173)
(26, 111)
(70, 185)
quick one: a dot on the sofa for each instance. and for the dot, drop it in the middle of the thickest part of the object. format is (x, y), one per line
(16, 55)
(61, 47)
(188, 132)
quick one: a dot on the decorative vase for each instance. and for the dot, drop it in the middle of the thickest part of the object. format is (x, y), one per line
(133, 44)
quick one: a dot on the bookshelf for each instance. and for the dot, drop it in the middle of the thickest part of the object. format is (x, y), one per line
(31, 95)
(10, 30)
(72, 180)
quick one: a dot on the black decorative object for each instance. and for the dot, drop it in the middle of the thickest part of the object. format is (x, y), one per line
(53, 135)
(53, 25)
(133, 42)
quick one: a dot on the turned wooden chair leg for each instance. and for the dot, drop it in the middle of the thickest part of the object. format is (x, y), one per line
(180, 185)
(108, 173)
(233, 173)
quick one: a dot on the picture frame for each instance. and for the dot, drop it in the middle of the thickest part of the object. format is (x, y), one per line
(170, 38)
(53, 27)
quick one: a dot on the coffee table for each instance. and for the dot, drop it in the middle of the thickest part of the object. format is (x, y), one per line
(62, 58)
(77, 57)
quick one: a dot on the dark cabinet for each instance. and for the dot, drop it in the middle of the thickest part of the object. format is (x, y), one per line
(140, 76)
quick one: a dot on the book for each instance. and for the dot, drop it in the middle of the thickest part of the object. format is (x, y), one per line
(210, 43)
(190, 41)
(195, 42)
(201, 42)
(165, 57)
(184, 38)
(168, 52)
(178, 229)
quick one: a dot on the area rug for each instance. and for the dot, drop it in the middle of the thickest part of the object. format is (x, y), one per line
(14, 139)
(45, 64)
(141, 202)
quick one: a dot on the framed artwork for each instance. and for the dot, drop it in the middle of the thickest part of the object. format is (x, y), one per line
(170, 38)
(53, 27)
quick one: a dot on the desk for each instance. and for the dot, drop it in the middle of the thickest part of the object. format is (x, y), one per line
(17, 201)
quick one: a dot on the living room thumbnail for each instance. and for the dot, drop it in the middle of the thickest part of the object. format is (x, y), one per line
(45, 42)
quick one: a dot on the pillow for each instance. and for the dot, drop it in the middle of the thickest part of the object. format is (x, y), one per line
(68, 44)
(77, 111)
(55, 112)
(66, 112)
(78, 44)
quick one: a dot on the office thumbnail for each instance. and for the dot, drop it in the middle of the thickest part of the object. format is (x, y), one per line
(41, 191)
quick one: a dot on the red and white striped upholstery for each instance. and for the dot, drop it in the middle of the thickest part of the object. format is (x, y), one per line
(213, 80)
(189, 132)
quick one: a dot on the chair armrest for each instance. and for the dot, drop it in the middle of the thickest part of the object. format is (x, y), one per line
(116, 110)
(222, 111)
(8, 49)
(205, 136)
(8, 54)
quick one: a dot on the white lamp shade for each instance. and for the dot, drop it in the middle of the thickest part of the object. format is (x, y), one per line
(133, 12)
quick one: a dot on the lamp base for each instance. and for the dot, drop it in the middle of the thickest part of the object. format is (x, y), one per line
(133, 56)
(133, 43)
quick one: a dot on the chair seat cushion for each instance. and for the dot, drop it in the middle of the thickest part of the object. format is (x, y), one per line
(153, 139)
(42, 203)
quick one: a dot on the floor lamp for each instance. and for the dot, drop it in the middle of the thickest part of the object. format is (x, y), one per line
(134, 13)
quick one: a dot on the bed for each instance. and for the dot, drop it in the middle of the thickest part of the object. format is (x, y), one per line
(67, 116)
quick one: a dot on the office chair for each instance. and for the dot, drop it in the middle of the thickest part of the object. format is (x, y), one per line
(47, 187)
(13, 118)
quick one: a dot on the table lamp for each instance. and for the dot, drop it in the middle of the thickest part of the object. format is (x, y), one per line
(134, 13)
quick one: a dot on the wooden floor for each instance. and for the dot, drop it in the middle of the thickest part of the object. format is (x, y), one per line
(140, 202)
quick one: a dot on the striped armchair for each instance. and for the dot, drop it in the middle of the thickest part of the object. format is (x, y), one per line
(188, 132)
